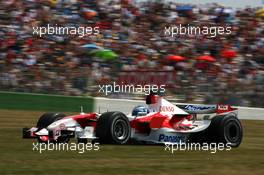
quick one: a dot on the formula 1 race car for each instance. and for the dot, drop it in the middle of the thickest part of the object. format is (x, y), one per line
(160, 122)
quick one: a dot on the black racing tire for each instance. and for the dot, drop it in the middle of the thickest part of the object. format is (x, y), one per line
(45, 120)
(229, 130)
(223, 129)
(113, 128)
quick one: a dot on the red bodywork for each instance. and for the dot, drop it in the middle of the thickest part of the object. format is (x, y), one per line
(85, 119)
(158, 120)
(145, 124)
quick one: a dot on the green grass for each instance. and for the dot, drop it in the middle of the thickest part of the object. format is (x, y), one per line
(43, 102)
(17, 157)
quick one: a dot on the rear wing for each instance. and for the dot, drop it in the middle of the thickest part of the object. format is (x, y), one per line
(220, 109)
(207, 109)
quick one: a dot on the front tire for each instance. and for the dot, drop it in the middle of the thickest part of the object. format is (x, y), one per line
(45, 120)
(113, 128)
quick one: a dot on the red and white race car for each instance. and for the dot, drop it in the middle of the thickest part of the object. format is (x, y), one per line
(159, 122)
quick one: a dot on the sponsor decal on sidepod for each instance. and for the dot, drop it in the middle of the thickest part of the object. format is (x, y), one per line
(172, 139)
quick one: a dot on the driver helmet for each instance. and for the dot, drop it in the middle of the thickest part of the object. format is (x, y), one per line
(139, 109)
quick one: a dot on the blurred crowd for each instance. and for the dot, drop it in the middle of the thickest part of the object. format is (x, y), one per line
(135, 32)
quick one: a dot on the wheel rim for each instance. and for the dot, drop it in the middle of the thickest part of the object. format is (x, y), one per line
(120, 129)
(232, 132)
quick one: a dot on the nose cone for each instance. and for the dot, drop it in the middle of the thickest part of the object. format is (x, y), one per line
(62, 124)
(42, 132)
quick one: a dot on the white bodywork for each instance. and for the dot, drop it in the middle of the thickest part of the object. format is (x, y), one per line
(68, 124)
(156, 135)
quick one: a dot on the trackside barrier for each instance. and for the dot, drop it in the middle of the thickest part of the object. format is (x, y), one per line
(43, 102)
(59, 103)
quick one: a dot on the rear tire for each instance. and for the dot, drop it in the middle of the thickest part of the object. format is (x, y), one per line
(223, 129)
(230, 130)
(113, 128)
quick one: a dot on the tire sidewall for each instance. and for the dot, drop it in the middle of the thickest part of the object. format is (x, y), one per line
(225, 133)
(105, 128)
(120, 117)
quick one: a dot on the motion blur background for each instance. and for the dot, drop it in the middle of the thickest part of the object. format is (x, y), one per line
(138, 52)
